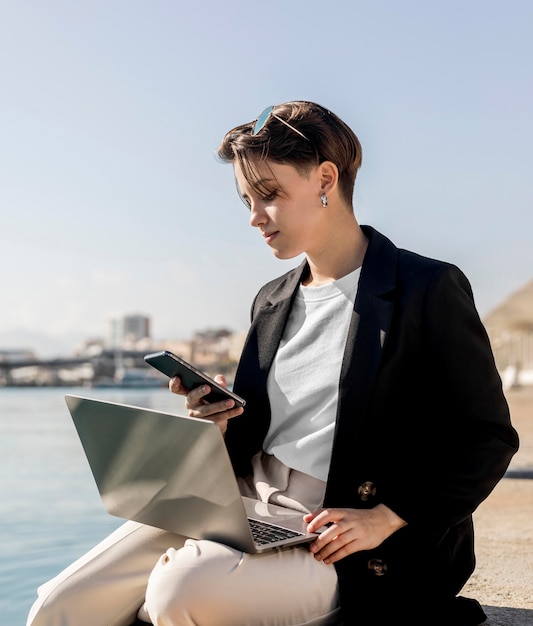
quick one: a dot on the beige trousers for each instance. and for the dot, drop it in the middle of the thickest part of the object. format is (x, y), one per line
(169, 580)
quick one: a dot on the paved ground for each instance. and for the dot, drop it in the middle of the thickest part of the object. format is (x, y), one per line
(503, 580)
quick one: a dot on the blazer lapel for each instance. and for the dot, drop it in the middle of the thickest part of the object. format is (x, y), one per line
(272, 318)
(271, 312)
(367, 334)
(371, 317)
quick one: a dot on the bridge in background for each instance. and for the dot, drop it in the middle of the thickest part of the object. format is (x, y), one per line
(75, 370)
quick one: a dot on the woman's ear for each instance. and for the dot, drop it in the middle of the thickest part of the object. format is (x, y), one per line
(329, 177)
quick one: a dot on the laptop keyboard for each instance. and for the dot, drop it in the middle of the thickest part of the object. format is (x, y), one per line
(264, 533)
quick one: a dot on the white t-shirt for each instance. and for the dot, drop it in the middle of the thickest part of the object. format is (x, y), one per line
(303, 382)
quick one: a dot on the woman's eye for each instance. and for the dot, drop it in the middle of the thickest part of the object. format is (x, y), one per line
(246, 202)
(270, 196)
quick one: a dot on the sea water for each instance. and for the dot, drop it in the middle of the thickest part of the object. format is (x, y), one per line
(50, 510)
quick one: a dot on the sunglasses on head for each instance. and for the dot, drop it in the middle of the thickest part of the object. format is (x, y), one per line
(263, 119)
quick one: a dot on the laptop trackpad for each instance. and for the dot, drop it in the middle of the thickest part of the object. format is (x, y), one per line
(275, 514)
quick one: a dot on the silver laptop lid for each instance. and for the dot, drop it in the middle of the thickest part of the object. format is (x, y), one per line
(171, 472)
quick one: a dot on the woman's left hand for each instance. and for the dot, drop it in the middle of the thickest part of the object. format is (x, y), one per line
(350, 530)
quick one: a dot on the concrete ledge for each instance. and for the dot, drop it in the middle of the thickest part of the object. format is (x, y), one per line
(507, 616)
(503, 579)
(526, 472)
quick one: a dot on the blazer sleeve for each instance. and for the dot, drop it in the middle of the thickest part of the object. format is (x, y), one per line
(463, 438)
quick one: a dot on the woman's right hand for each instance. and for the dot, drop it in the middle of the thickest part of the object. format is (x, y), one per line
(218, 412)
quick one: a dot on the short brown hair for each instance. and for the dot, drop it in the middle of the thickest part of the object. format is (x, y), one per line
(327, 138)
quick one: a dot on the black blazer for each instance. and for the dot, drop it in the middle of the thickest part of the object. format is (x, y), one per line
(422, 426)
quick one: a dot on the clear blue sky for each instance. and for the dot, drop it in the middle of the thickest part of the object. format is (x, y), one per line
(112, 201)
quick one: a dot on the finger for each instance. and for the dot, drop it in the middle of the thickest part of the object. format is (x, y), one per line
(175, 386)
(221, 380)
(333, 542)
(344, 550)
(218, 410)
(195, 397)
(309, 517)
(323, 517)
(325, 538)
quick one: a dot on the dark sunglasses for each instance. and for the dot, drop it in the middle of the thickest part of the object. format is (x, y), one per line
(263, 119)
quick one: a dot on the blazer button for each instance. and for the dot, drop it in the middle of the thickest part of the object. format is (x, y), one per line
(366, 491)
(377, 566)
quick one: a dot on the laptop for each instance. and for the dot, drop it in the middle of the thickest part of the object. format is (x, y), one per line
(174, 473)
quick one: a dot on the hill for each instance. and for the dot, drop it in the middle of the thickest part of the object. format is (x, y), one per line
(515, 313)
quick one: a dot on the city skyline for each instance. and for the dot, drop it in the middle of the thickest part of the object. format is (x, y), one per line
(112, 200)
(45, 346)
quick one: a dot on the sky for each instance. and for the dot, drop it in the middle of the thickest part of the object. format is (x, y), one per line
(112, 200)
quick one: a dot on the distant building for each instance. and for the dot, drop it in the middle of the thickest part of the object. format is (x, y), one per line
(181, 347)
(128, 332)
(90, 347)
(217, 351)
(17, 355)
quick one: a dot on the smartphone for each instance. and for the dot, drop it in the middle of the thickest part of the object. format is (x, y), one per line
(191, 377)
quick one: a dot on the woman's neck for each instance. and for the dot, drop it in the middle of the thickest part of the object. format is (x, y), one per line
(341, 253)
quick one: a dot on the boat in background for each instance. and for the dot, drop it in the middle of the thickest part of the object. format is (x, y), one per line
(132, 378)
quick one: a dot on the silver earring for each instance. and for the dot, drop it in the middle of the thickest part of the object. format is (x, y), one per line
(324, 200)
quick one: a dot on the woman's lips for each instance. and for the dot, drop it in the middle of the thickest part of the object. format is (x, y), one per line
(270, 236)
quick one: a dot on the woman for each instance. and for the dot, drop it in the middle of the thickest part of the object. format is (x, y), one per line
(373, 406)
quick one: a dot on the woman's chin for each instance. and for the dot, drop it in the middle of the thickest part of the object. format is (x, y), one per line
(284, 255)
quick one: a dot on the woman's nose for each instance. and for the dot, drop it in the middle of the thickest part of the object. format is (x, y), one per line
(257, 214)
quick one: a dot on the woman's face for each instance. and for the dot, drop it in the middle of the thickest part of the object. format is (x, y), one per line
(290, 218)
